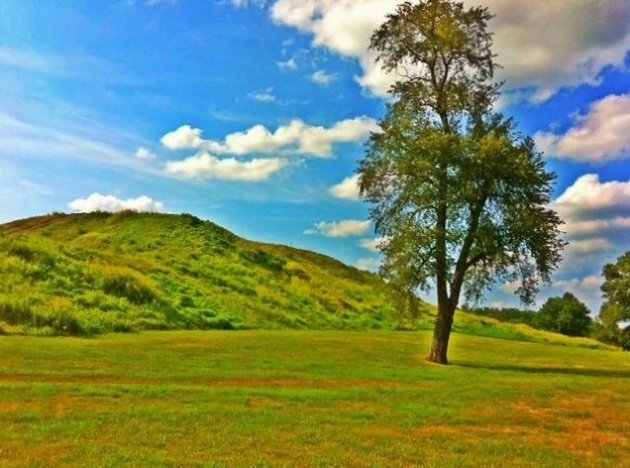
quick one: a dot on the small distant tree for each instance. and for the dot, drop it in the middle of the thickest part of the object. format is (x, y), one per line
(566, 315)
(462, 196)
(615, 312)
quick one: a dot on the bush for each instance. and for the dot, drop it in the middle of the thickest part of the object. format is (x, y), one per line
(125, 282)
(264, 259)
(15, 311)
(210, 321)
(186, 301)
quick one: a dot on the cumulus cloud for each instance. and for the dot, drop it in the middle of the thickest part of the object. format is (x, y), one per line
(204, 166)
(296, 136)
(144, 154)
(374, 245)
(596, 218)
(599, 136)
(347, 228)
(368, 264)
(559, 43)
(323, 78)
(347, 189)
(185, 137)
(589, 198)
(111, 203)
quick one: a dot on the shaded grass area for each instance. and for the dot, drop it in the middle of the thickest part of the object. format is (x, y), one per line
(306, 398)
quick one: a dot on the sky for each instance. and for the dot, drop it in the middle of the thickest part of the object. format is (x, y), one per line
(254, 114)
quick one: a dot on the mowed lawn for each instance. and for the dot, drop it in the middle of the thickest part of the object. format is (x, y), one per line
(309, 398)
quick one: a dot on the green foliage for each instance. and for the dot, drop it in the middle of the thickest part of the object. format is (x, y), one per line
(15, 311)
(462, 197)
(566, 315)
(265, 259)
(124, 282)
(615, 312)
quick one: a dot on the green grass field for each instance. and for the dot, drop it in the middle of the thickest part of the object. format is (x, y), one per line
(309, 398)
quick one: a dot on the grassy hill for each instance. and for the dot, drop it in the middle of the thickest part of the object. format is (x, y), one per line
(86, 274)
(310, 399)
(100, 272)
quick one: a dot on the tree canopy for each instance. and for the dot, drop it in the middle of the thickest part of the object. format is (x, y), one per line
(462, 197)
(566, 315)
(615, 312)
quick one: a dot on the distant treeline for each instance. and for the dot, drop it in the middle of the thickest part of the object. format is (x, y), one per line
(562, 314)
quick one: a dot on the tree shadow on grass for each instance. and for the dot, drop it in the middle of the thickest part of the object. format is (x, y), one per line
(582, 371)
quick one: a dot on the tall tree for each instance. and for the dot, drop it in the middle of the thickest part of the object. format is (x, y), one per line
(615, 312)
(462, 197)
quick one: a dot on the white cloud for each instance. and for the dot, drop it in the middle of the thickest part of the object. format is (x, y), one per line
(347, 228)
(347, 189)
(596, 221)
(323, 78)
(596, 226)
(600, 135)
(585, 38)
(589, 283)
(596, 218)
(111, 203)
(511, 287)
(144, 154)
(205, 166)
(185, 137)
(586, 246)
(266, 96)
(374, 245)
(368, 264)
(296, 136)
(588, 197)
(290, 64)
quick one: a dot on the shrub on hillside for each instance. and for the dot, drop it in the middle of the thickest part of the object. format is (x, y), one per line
(125, 282)
(15, 311)
(264, 259)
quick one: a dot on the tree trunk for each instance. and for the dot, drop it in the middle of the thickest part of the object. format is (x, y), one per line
(441, 334)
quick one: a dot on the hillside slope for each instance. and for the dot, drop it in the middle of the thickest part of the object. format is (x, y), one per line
(100, 272)
(85, 274)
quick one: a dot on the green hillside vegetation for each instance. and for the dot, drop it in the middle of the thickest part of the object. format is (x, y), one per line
(88, 274)
(101, 272)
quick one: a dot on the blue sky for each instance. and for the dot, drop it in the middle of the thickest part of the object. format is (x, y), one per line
(250, 113)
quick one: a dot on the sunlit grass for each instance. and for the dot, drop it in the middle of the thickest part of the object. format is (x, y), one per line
(309, 398)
